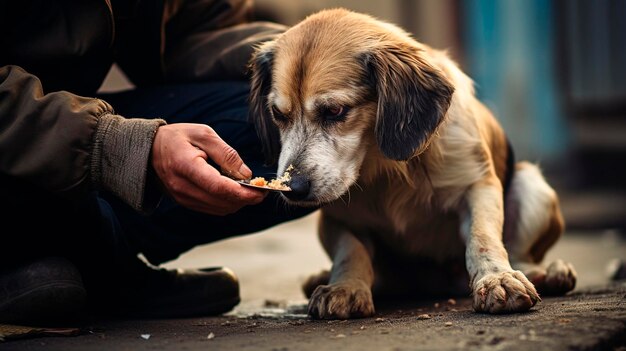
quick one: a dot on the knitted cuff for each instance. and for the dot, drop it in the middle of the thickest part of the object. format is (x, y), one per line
(120, 159)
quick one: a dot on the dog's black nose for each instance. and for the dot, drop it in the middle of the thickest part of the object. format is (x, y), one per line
(300, 187)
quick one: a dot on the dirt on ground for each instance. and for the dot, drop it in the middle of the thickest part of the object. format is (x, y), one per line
(594, 319)
(272, 316)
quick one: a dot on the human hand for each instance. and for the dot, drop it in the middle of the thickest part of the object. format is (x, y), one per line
(179, 157)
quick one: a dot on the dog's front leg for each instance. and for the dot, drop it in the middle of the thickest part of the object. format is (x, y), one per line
(496, 287)
(348, 293)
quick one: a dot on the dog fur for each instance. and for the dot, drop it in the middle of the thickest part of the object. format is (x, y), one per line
(414, 174)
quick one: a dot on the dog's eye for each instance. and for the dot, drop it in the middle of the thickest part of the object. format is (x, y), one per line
(279, 116)
(335, 113)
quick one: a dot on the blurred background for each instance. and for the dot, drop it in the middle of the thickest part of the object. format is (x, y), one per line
(554, 74)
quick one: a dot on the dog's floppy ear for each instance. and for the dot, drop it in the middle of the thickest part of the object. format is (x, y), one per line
(413, 98)
(260, 85)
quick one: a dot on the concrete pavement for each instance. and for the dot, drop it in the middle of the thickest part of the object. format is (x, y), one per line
(272, 316)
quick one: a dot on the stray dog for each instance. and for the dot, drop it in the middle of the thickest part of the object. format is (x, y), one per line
(416, 177)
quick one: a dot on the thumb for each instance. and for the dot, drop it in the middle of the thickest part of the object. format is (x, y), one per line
(225, 156)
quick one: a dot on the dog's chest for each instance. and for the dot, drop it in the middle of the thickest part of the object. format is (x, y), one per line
(401, 220)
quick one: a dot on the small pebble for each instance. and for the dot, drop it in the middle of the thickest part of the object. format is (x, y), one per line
(448, 324)
(272, 303)
(424, 316)
(210, 336)
(616, 269)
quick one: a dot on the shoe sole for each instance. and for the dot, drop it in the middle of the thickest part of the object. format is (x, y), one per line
(188, 310)
(52, 303)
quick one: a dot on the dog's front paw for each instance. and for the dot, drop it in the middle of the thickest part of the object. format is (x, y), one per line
(504, 292)
(352, 299)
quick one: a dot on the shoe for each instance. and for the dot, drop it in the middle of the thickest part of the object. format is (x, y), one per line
(47, 292)
(149, 292)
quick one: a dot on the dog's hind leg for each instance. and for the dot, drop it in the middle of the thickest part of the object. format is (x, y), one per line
(315, 280)
(533, 223)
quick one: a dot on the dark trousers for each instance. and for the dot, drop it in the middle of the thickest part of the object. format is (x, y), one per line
(101, 231)
(173, 229)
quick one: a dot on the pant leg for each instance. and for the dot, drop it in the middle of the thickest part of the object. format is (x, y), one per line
(39, 224)
(172, 229)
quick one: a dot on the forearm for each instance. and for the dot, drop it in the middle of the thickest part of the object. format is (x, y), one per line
(69, 144)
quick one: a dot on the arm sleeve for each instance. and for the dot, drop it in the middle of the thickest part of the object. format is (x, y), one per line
(213, 40)
(68, 144)
(190, 41)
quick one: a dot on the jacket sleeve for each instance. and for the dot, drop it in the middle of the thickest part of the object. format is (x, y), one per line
(198, 40)
(68, 144)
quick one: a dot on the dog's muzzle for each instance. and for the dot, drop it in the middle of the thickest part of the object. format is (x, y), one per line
(300, 188)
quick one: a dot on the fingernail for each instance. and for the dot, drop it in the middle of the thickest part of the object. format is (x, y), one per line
(245, 171)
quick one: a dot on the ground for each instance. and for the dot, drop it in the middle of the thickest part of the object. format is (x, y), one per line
(272, 316)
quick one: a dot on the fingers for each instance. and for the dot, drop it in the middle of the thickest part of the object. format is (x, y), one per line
(179, 157)
(223, 154)
(202, 201)
(206, 190)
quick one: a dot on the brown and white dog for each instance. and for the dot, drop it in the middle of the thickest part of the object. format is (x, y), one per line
(415, 175)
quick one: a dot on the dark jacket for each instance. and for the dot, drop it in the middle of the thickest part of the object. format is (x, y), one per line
(55, 54)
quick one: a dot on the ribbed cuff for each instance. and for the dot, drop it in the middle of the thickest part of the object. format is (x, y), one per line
(120, 158)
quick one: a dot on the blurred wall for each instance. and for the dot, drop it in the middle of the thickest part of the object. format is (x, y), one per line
(592, 70)
(510, 48)
(431, 21)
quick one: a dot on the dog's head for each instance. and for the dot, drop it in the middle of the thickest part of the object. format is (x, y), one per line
(335, 87)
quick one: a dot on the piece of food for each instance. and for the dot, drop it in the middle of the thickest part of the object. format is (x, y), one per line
(258, 181)
(278, 183)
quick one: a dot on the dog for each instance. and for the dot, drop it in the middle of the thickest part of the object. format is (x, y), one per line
(417, 183)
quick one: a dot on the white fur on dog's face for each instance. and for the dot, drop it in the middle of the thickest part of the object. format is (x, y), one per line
(329, 154)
